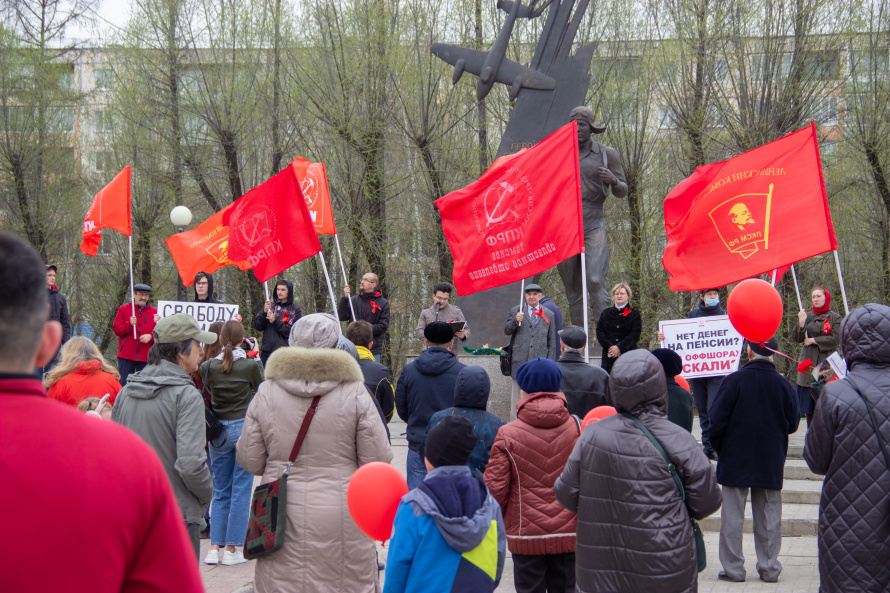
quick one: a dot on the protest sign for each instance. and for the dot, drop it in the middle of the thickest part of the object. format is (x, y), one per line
(204, 313)
(709, 346)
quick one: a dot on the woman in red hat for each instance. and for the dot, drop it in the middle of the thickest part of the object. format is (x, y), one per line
(819, 329)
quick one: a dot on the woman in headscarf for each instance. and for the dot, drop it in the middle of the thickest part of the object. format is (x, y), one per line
(819, 329)
(323, 548)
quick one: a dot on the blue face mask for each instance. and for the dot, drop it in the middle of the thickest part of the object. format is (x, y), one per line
(712, 302)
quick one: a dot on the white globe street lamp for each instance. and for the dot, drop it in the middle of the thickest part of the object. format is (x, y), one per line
(180, 216)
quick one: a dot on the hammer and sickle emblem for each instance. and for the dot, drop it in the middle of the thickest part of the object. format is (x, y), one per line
(308, 187)
(255, 228)
(500, 211)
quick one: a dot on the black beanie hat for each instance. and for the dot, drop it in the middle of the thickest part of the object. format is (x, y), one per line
(670, 360)
(450, 442)
(438, 332)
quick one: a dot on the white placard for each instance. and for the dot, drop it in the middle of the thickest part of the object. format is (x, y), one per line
(204, 313)
(709, 346)
(838, 364)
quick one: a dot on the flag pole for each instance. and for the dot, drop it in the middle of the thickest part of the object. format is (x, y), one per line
(796, 288)
(330, 289)
(521, 299)
(132, 291)
(775, 271)
(266, 289)
(840, 278)
(343, 269)
(586, 313)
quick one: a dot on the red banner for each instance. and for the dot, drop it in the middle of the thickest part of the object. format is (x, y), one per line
(205, 248)
(756, 212)
(520, 218)
(271, 227)
(314, 185)
(110, 210)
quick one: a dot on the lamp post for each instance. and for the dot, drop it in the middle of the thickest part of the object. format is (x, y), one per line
(180, 216)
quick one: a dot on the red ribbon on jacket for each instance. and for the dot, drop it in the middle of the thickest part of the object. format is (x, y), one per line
(626, 312)
(826, 327)
(540, 313)
(375, 307)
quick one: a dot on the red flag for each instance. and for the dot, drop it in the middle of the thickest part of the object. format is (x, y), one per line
(749, 215)
(271, 227)
(110, 210)
(520, 218)
(205, 248)
(314, 185)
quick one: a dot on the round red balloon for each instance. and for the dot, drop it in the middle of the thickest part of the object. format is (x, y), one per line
(755, 309)
(373, 497)
(598, 413)
(683, 383)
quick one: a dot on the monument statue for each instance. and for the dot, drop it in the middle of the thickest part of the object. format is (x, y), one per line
(601, 171)
(545, 91)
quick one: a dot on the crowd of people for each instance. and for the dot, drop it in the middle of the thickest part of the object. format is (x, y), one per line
(609, 507)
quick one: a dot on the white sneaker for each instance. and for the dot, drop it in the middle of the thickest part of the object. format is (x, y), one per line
(212, 557)
(233, 558)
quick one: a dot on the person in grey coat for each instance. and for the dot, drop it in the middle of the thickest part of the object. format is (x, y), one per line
(161, 404)
(629, 508)
(533, 335)
(854, 511)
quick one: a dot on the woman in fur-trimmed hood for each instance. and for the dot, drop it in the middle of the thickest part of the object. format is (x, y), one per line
(323, 548)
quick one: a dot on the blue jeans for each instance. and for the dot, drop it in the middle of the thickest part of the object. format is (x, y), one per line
(416, 469)
(377, 358)
(232, 487)
(703, 391)
(126, 367)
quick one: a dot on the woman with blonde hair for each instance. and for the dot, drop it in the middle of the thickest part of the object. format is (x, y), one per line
(232, 379)
(619, 327)
(82, 372)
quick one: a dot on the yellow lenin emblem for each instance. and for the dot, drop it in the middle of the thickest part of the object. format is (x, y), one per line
(219, 251)
(743, 221)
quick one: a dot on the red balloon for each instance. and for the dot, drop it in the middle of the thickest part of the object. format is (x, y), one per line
(755, 309)
(598, 413)
(373, 497)
(683, 383)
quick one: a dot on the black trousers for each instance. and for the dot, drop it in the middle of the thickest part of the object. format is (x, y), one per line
(547, 573)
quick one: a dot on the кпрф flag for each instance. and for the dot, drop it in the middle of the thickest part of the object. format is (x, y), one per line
(756, 212)
(204, 248)
(110, 210)
(523, 216)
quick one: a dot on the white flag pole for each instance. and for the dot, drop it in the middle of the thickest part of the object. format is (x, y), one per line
(586, 313)
(775, 271)
(132, 291)
(521, 300)
(345, 280)
(840, 278)
(330, 289)
(796, 288)
(266, 289)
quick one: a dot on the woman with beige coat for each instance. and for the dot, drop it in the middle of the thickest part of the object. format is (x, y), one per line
(323, 548)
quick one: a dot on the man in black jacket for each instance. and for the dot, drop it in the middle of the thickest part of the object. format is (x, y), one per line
(204, 292)
(585, 386)
(276, 319)
(58, 311)
(754, 411)
(369, 305)
(426, 386)
(378, 379)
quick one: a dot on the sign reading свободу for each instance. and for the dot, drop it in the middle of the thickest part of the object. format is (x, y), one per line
(205, 313)
(709, 346)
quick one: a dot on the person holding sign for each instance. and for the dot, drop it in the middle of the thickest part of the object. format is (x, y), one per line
(442, 310)
(819, 329)
(619, 327)
(276, 319)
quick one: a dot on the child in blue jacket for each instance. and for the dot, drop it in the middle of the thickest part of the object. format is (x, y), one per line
(449, 534)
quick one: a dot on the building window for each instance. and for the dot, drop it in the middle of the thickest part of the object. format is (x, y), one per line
(768, 67)
(104, 79)
(822, 65)
(869, 66)
(104, 121)
(825, 111)
(104, 161)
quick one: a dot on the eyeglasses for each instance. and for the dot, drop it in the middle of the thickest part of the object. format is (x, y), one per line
(202, 283)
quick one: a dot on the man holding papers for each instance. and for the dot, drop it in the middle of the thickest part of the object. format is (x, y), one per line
(442, 310)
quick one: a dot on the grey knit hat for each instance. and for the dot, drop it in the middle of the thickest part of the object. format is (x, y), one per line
(318, 330)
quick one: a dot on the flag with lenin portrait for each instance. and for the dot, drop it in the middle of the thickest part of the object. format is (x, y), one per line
(522, 217)
(759, 211)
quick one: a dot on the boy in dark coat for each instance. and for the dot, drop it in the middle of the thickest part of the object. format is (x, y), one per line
(752, 415)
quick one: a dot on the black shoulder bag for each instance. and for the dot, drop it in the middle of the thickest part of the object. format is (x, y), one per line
(700, 552)
(874, 422)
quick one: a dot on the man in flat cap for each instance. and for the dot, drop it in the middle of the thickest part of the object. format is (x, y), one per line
(533, 335)
(601, 171)
(132, 352)
(425, 387)
(585, 386)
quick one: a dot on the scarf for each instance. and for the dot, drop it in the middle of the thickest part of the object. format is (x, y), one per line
(237, 353)
(364, 353)
(826, 306)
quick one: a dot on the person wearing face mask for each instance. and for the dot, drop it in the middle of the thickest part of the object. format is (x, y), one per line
(619, 327)
(819, 329)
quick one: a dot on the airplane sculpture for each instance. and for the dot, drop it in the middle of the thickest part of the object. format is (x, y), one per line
(492, 66)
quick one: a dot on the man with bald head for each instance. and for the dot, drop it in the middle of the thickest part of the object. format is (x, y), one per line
(601, 171)
(368, 305)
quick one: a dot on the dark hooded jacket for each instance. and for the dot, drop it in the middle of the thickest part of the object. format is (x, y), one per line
(448, 536)
(276, 333)
(373, 308)
(58, 311)
(629, 508)
(854, 511)
(209, 298)
(470, 400)
(426, 386)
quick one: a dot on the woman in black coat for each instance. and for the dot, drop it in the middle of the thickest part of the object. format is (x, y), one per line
(619, 327)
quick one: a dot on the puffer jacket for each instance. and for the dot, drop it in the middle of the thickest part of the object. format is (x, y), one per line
(629, 508)
(854, 511)
(276, 333)
(426, 386)
(825, 343)
(527, 457)
(373, 308)
(161, 405)
(323, 549)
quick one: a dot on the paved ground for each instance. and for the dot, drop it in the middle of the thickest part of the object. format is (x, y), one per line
(799, 555)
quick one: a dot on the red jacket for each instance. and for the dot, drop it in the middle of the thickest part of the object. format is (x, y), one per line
(87, 380)
(129, 347)
(527, 457)
(89, 481)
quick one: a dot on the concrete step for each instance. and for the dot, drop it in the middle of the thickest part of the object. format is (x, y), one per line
(797, 519)
(795, 451)
(795, 469)
(801, 492)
